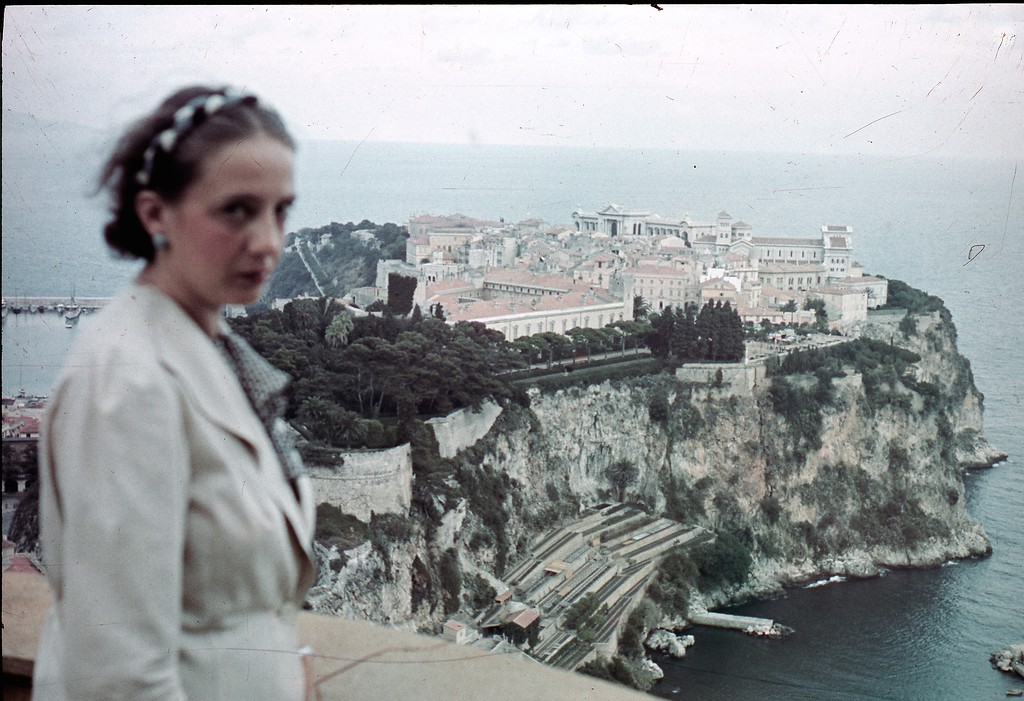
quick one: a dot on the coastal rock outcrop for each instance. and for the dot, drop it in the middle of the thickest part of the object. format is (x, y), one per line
(845, 478)
(669, 643)
(1010, 660)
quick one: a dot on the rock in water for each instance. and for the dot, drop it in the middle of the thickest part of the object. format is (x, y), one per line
(669, 643)
(1010, 660)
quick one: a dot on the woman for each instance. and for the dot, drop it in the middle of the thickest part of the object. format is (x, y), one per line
(176, 518)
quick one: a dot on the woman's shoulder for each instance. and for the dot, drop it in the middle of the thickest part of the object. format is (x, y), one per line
(125, 323)
(130, 334)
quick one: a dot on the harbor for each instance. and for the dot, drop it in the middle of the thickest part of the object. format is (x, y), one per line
(41, 305)
(71, 308)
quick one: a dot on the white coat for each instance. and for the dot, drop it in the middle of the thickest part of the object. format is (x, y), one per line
(177, 551)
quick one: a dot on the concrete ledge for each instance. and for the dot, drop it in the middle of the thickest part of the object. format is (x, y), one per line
(26, 599)
(352, 660)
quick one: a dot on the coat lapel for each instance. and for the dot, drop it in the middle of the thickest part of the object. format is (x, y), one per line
(212, 384)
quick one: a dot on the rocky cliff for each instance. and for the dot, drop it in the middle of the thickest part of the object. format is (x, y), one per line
(817, 473)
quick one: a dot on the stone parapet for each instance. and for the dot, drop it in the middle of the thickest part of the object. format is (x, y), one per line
(739, 377)
(351, 660)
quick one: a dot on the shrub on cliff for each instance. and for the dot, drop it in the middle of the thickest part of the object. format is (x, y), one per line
(915, 301)
(724, 562)
(641, 619)
(683, 503)
(802, 410)
(908, 325)
(487, 491)
(334, 527)
(621, 670)
(688, 419)
(677, 574)
(657, 409)
(387, 531)
(479, 593)
(449, 572)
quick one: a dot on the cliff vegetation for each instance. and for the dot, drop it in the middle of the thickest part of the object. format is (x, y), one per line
(842, 460)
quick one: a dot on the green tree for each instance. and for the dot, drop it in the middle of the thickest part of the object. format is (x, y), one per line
(640, 308)
(346, 428)
(580, 612)
(339, 329)
(369, 364)
(707, 333)
(726, 561)
(730, 328)
(622, 474)
(684, 333)
(659, 338)
(631, 333)
(304, 319)
(315, 414)
(401, 289)
(671, 588)
(818, 305)
(450, 574)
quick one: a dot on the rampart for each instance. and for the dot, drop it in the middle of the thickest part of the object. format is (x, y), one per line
(463, 428)
(365, 482)
(740, 377)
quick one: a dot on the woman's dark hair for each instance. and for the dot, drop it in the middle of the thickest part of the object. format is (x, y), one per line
(142, 160)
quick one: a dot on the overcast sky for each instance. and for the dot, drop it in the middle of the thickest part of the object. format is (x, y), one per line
(895, 80)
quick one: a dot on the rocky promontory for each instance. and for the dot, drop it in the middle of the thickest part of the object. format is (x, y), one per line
(1010, 660)
(843, 460)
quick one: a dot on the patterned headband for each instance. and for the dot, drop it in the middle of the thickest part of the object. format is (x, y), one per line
(187, 118)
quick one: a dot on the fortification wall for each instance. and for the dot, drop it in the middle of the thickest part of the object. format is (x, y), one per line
(463, 428)
(364, 482)
(740, 377)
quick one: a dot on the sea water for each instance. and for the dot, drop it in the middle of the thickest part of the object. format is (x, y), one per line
(950, 227)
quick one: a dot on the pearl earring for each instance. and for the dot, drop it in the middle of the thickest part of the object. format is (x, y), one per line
(160, 242)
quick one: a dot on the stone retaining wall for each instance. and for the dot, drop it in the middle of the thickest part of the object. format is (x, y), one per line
(463, 428)
(365, 482)
(739, 377)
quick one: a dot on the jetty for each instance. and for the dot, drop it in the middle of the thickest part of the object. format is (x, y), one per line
(752, 625)
(24, 303)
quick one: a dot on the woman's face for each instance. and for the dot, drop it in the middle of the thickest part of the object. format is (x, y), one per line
(226, 232)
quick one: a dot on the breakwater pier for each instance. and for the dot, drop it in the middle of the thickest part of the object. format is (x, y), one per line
(71, 308)
(765, 627)
(32, 305)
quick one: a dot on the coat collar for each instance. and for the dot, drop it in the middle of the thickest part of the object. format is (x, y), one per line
(193, 357)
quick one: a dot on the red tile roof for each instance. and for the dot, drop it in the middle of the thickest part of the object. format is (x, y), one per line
(524, 618)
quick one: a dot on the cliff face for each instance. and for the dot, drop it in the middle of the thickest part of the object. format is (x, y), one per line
(868, 478)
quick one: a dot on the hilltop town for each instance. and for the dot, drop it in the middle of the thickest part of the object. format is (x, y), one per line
(531, 277)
